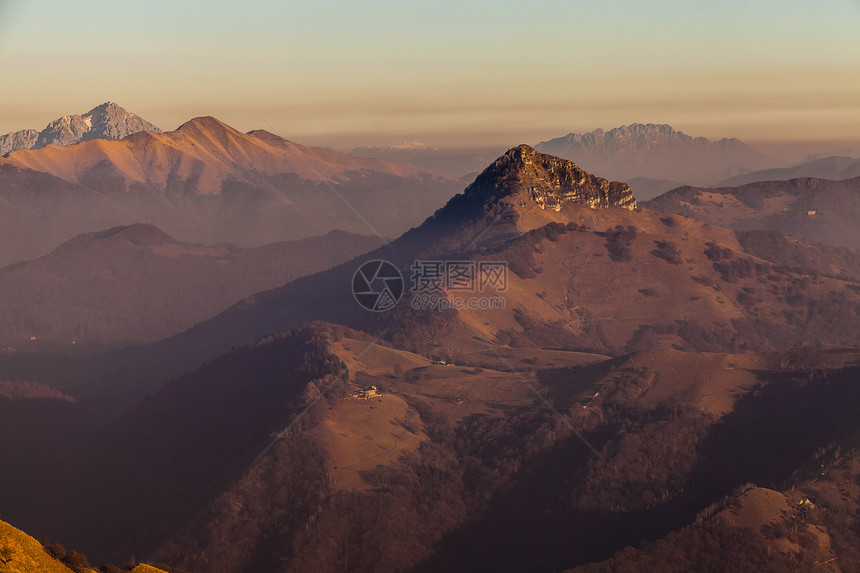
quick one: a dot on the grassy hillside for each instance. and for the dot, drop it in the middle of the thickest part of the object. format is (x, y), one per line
(20, 553)
(493, 463)
(611, 290)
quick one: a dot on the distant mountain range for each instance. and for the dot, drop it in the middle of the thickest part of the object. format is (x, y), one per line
(206, 183)
(507, 213)
(107, 121)
(134, 284)
(656, 151)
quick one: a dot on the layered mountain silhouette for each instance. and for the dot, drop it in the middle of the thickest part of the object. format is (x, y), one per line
(642, 372)
(818, 210)
(568, 235)
(207, 183)
(565, 235)
(656, 152)
(833, 167)
(107, 121)
(137, 284)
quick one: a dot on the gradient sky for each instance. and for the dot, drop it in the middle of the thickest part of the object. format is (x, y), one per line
(454, 73)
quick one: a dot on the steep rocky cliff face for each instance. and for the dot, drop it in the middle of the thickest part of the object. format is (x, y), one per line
(24, 139)
(548, 181)
(110, 121)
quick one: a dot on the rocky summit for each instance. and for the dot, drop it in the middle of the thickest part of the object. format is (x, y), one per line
(107, 121)
(549, 181)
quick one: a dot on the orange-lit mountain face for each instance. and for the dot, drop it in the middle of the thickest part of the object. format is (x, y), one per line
(206, 182)
(198, 158)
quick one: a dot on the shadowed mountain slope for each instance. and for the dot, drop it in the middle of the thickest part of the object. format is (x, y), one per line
(137, 284)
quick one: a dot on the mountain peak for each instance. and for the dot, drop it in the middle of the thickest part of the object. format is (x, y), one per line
(111, 121)
(106, 107)
(210, 129)
(106, 121)
(136, 235)
(204, 122)
(548, 181)
(139, 234)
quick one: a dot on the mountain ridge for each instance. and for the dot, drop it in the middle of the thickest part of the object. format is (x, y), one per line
(819, 210)
(598, 241)
(202, 141)
(135, 283)
(656, 151)
(597, 278)
(207, 182)
(833, 167)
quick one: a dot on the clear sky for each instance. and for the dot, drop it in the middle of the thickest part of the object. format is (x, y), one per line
(443, 72)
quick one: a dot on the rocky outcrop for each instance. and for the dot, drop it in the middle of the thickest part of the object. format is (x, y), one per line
(24, 139)
(64, 131)
(110, 121)
(107, 121)
(550, 182)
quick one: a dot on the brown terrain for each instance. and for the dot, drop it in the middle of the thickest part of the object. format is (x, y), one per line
(818, 210)
(650, 397)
